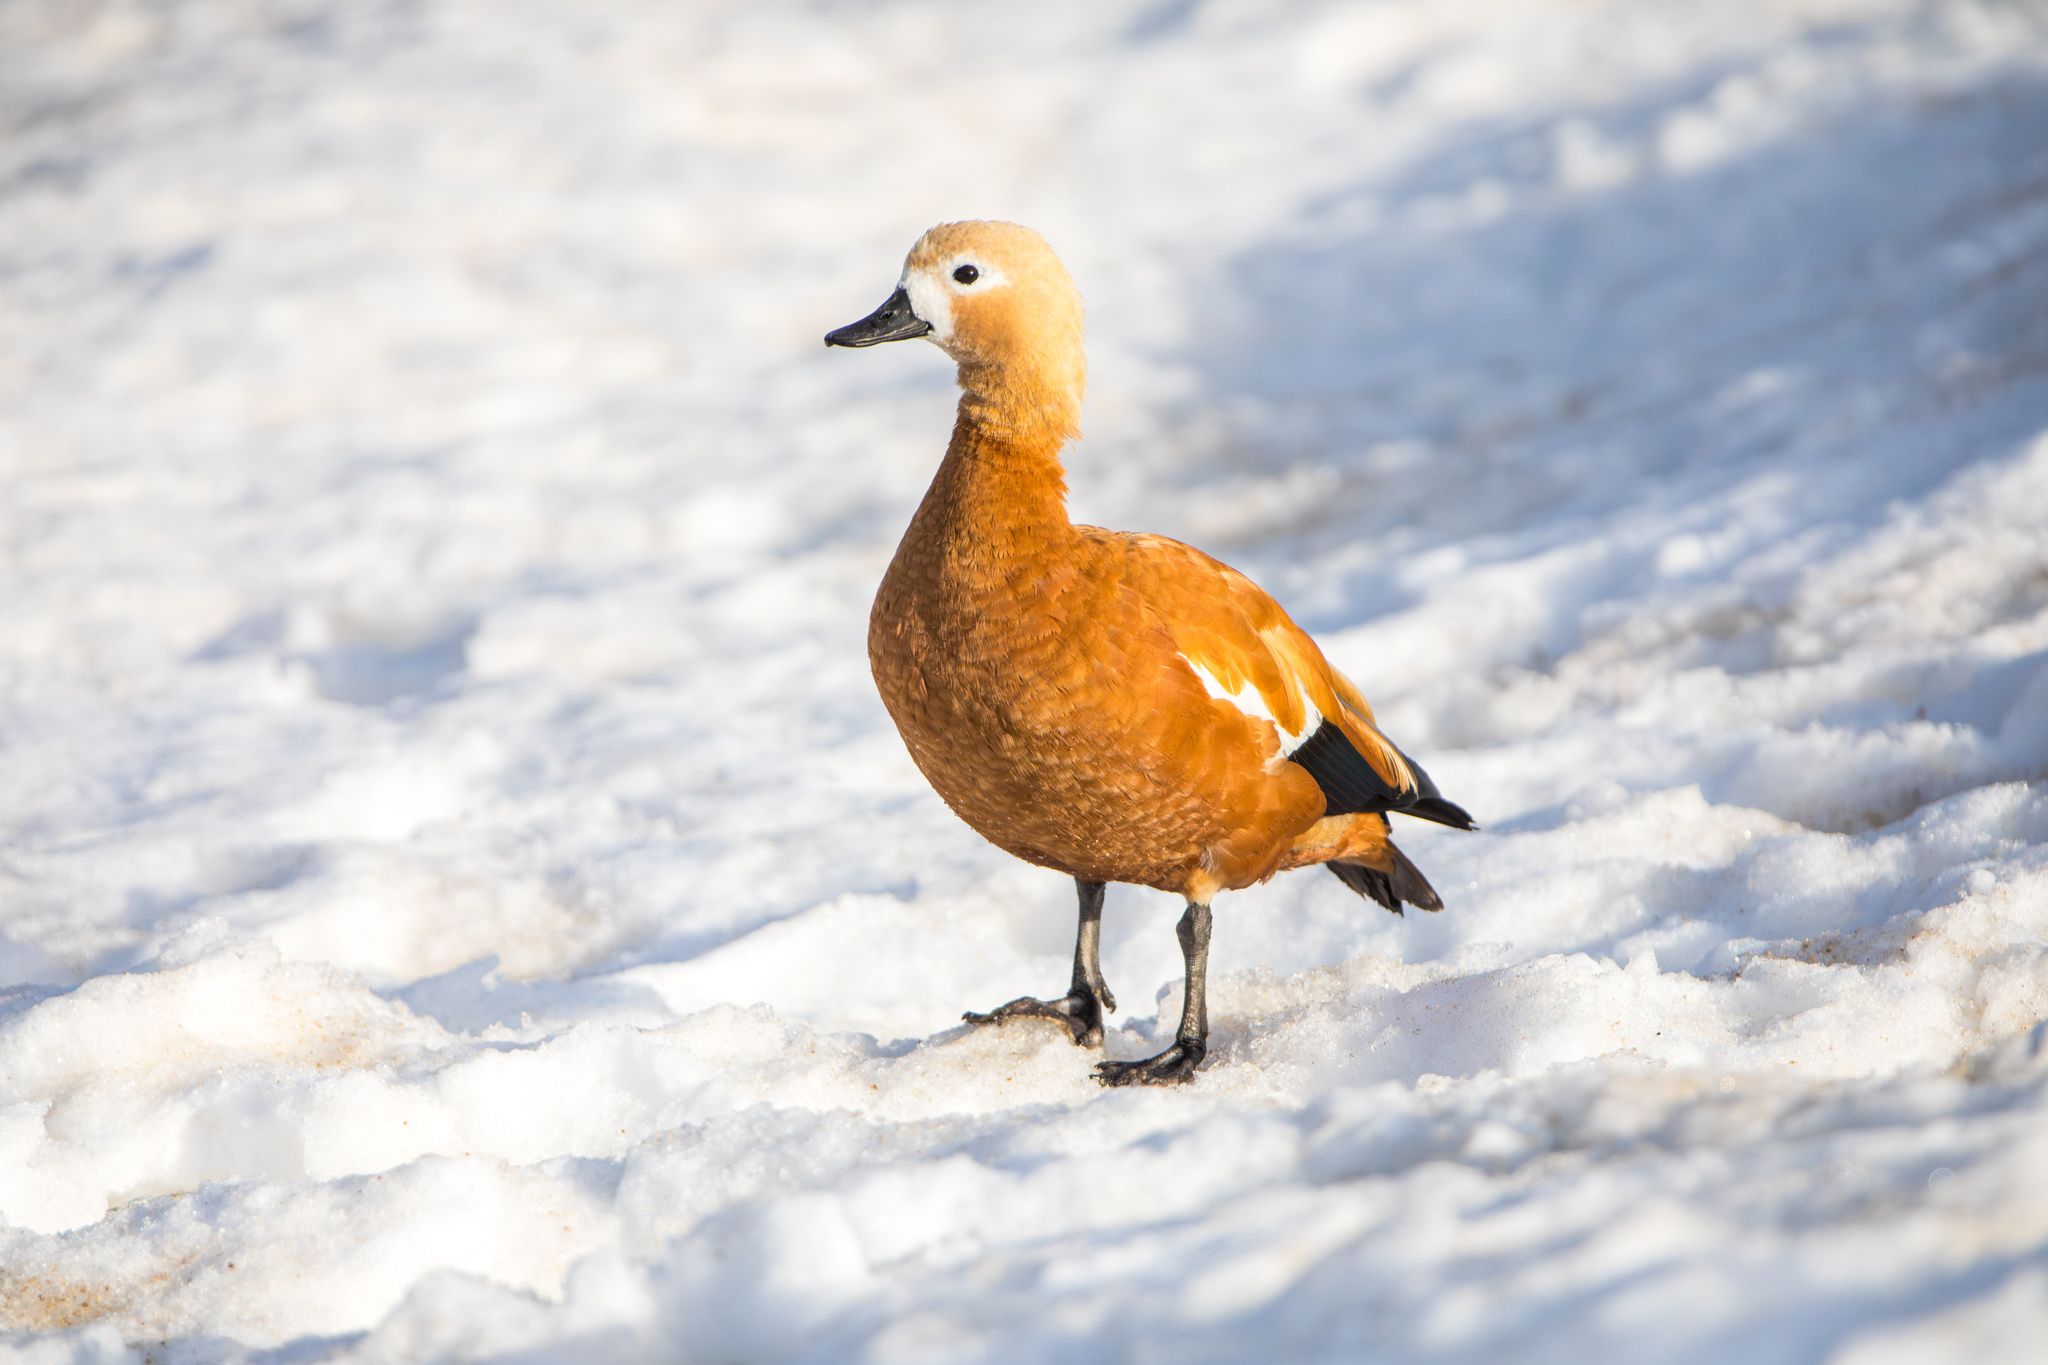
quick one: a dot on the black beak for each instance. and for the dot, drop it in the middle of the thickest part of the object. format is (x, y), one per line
(893, 321)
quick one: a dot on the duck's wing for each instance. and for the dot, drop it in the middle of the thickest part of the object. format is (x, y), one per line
(1245, 650)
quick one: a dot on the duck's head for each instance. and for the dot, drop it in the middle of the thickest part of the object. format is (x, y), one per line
(995, 298)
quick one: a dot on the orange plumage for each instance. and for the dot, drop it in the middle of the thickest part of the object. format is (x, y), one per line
(1118, 707)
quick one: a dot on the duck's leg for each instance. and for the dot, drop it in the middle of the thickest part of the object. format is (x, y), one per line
(1082, 1007)
(1191, 1041)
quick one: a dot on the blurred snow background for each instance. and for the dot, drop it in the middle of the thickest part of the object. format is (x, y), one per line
(460, 897)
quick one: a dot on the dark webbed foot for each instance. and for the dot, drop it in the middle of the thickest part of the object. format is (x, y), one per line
(1087, 998)
(1174, 1066)
(1177, 1064)
(1080, 1012)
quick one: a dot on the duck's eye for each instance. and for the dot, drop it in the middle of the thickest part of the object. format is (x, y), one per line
(967, 274)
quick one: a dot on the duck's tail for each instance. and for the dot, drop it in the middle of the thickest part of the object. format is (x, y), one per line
(1404, 883)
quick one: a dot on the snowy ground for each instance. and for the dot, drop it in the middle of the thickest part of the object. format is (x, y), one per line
(462, 899)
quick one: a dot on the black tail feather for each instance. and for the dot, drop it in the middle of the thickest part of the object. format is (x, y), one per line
(1368, 882)
(1406, 884)
(1409, 883)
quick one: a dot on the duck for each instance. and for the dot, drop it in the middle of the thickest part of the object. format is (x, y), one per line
(1114, 706)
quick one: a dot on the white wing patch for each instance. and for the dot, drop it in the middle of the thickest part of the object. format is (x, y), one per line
(1248, 700)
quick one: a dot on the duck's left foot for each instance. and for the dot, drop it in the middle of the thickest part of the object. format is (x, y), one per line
(1175, 1066)
(1081, 1013)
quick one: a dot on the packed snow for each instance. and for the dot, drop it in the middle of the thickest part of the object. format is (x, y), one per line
(461, 898)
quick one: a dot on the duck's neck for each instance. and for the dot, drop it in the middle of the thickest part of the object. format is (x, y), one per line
(1000, 497)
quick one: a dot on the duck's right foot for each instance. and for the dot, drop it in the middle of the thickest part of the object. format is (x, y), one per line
(1175, 1066)
(1081, 1012)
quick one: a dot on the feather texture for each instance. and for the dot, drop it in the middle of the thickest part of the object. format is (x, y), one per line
(1119, 707)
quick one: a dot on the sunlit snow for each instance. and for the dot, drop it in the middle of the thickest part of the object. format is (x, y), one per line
(461, 897)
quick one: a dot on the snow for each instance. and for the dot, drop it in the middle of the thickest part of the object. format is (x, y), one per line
(460, 897)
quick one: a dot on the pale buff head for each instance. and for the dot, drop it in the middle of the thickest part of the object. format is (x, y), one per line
(995, 298)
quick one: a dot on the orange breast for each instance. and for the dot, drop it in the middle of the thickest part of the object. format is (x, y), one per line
(1039, 688)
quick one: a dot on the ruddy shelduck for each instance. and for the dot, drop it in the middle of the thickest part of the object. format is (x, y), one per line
(1117, 707)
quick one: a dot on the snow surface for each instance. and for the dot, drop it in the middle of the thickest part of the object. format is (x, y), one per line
(462, 899)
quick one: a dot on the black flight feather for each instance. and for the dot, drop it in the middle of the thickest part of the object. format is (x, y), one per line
(1351, 787)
